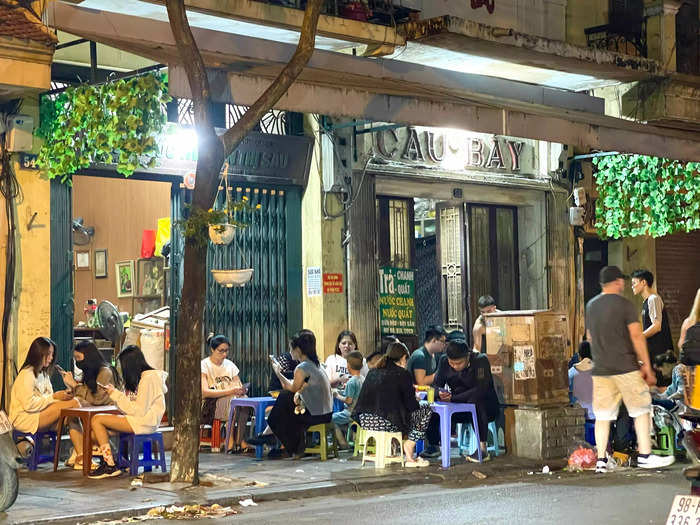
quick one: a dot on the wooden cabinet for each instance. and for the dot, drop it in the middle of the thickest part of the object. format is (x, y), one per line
(528, 355)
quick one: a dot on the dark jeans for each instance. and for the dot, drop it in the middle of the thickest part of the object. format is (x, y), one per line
(623, 435)
(482, 415)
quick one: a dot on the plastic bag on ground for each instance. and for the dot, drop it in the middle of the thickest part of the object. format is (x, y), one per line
(583, 458)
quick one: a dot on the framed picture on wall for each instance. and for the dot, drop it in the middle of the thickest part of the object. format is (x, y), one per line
(151, 277)
(100, 264)
(82, 259)
(125, 278)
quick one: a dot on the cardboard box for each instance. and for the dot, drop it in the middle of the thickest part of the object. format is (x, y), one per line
(528, 355)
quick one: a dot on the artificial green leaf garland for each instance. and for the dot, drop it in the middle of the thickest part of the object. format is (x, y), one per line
(114, 123)
(641, 195)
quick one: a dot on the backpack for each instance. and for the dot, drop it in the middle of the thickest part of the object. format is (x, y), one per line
(690, 350)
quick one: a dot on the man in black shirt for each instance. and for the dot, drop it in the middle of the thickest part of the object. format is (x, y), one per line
(467, 376)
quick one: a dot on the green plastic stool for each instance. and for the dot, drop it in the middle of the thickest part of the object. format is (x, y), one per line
(360, 439)
(324, 430)
(665, 440)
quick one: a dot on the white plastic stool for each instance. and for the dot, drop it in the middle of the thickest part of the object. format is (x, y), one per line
(382, 442)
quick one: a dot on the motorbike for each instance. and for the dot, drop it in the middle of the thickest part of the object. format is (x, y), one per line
(10, 461)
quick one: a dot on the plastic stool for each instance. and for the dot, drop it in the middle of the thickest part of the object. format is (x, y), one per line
(133, 445)
(468, 440)
(445, 411)
(665, 439)
(360, 441)
(258, 404)
(36, 457)
(214, 440)
(324, 430)
(589, 432)
(383, 443)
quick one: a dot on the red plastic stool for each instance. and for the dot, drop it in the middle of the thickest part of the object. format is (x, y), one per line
(214, 440)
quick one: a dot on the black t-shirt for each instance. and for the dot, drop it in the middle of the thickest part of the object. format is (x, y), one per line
(607, 319)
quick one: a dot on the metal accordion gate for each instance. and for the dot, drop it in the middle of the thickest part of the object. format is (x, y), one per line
(259, 317)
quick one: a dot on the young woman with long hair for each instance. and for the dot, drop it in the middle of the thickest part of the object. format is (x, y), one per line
(95, 369)
(34, 405)
(142, 415)
(337, 363)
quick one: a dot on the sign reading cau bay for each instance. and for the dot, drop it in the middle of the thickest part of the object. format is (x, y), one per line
(455, 150)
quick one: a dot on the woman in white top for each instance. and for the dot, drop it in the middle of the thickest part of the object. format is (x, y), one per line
(33, 404)
(220, 384)
(337, 364)
(142, 415)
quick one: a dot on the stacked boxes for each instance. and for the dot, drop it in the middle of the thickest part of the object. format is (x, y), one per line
(529, 357)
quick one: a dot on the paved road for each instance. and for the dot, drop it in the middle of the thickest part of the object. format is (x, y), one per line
(636, 498)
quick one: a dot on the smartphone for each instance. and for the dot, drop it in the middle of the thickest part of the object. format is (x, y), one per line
(58, 367)
(273, 359)
(246, 386)
(101, 385)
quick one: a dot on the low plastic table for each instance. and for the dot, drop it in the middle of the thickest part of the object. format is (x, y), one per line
(258, 404)
(85, 414)
(445, 411)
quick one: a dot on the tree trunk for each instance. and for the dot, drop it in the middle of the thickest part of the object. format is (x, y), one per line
(212, 151)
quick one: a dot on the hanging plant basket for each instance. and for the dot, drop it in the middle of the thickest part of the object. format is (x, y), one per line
(231, 278)
(222, 233)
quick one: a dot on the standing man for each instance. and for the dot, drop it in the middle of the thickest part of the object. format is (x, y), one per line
(422, 364)
(654, 316)
(487, 305)
(621, 368)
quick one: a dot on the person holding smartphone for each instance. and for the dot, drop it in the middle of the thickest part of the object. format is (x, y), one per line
(33, 404)
(311, 384)
(95, 370)
(140, 415)
(221, 384)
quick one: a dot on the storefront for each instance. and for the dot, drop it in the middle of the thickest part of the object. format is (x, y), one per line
(467, 213)
(267, 169)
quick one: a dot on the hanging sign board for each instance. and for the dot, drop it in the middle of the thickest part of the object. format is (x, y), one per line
(397, 301)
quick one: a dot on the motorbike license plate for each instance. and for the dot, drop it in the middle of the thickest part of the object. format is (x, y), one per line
(4, 423)
(684, 511)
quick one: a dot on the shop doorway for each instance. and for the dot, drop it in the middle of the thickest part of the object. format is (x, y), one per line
(478, 255)
(595, 257)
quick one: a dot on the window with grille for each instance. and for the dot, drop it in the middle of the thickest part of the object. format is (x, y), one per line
(395, 232)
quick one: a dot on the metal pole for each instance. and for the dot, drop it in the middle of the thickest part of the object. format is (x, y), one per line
(93, 62)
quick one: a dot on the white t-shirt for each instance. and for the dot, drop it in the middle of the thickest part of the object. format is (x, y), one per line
(337, 365)
(656, 306)
(219, 377)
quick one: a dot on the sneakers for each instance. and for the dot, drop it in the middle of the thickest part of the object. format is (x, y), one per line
(105, 471)
(653, 461)
(601, 466)
(417, 463)
(474, 458)
(431, 451)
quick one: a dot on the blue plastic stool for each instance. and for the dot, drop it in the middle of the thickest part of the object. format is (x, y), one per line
(589, 432)
(133, 445)
(420, 445)
(468, 440)
(36, 456)
(258, 404)
(445, 411)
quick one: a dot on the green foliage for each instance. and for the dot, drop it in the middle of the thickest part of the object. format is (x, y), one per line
(640, 195)
(237, 213)
(114, 123)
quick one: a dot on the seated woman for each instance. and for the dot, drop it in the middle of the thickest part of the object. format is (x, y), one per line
(220, 384)
(337, 364)
(142, 415)
(310, 388)
(387, 402)
(95, 370)
(34, 405)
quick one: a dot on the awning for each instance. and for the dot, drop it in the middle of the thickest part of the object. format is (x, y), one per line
(382, 90)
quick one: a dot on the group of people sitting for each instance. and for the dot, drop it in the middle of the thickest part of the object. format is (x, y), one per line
(139, 394)
(378, 392)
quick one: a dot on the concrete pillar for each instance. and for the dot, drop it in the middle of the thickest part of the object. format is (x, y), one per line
(661, 31)
(325, 314)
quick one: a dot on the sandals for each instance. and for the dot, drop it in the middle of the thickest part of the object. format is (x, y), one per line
(417, 463)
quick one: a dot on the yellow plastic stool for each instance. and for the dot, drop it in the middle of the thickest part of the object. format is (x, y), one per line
(382, 442)
(324, 430)
(360, 440)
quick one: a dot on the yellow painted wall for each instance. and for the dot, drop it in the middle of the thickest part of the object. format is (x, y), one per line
(33, 301)
(325, 315)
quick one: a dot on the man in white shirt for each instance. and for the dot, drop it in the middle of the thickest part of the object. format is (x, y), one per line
(654, 315)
